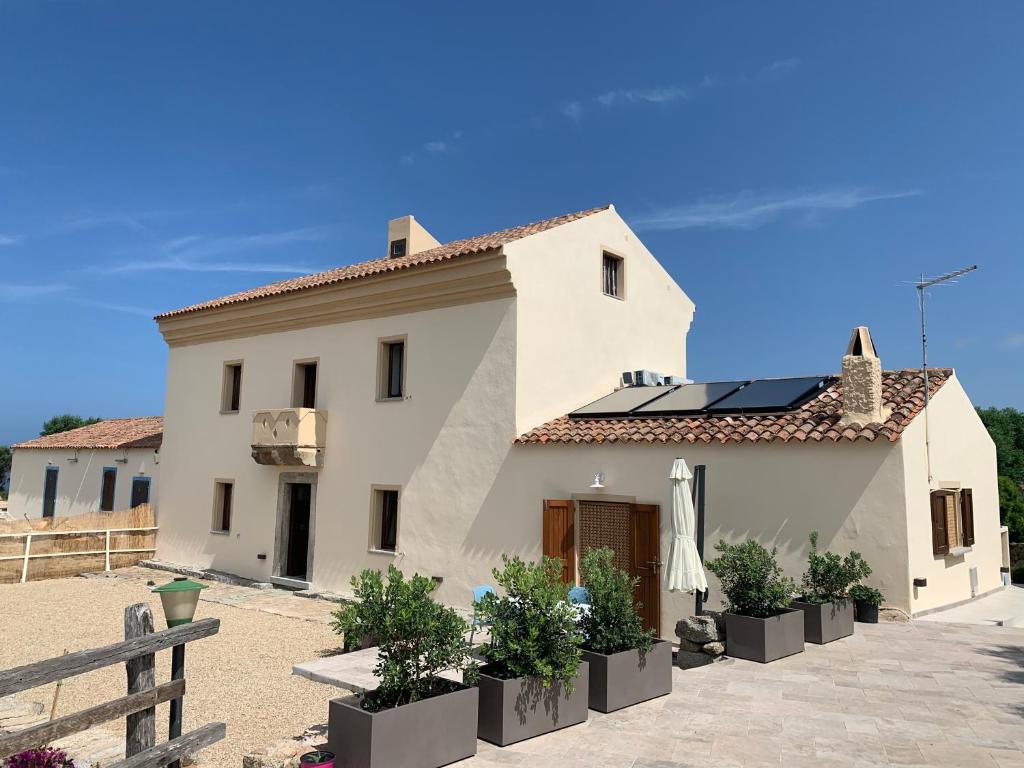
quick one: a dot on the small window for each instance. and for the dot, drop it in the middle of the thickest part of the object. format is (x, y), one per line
(391, 377)
(397, 248)
(224, 491)
(108, 482)
(385, 519)
(231, 390)
(140, 491)
(612, 275)
(952, 520)
(304, 385)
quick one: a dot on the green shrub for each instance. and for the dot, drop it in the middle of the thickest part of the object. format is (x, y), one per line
(611, 625)
(829, 577)
(417, 638)
(862, 593)
(533, 626)
(1011, 508)
(751, 579)
(1017, 573)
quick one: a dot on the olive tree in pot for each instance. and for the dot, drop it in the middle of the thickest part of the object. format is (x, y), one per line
(535, 681)
(415, 718)
(828, 612)
(627, 665)
(759, 624)
(866, 601)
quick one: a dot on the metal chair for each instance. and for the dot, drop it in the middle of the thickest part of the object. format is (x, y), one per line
(579, 595)
(478, 595)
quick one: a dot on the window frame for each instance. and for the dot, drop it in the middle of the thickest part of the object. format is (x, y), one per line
(56, 490)
(217, 516)
(149, 488)
(112, 471)
(299, 368)
(384, 345)
(961, 538)
(405, 247)
(620, 276)
(227, 387)
(377, 518)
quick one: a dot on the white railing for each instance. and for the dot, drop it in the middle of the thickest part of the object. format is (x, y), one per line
(106, 551)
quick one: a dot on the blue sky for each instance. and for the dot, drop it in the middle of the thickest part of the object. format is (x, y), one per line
(794, 167)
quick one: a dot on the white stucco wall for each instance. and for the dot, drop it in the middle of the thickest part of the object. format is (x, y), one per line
(78, 482)
(961, 451)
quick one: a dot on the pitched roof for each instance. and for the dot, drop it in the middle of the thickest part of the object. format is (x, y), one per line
(446, 252)
(142, 432)
(816, 421)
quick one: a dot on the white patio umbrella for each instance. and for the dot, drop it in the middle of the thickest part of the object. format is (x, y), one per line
(684, 571)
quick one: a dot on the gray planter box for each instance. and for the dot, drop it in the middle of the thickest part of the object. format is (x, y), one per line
(825, 622)
(764, 640)
(521, 708)
(426, 734)
(620, 680)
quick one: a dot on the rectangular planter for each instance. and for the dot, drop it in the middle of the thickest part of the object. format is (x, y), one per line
(764, 640)
(521, 708)
(825, 622)
(622, 679)
(426, 734)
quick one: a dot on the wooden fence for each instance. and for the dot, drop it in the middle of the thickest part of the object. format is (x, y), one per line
(138, 707)
(55, 547)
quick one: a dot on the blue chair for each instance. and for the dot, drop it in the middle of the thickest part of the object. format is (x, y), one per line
(478, 595)
(579, 595)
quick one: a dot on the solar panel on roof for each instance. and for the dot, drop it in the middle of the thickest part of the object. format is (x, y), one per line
(621, 402)
(690, 398)
(770, 395)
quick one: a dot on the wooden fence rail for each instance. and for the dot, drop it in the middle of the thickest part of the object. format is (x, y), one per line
(106, 551)
(137, 652)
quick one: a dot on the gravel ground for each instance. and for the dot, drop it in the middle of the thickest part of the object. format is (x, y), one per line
(241, 676)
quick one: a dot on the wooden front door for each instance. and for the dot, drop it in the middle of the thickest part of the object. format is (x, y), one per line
(298, 531)
(645, 562)
(560, 535)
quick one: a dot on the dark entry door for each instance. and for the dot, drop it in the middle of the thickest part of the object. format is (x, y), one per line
(646, 564)
(50, 491)
(298, 530)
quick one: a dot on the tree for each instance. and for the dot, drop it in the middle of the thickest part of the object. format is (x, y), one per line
(1011, 507)
(66, 421)
(1006, 427)
(5, 467)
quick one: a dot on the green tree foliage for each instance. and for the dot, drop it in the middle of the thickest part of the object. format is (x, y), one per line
(5, 464)
(1011, 507)
(828, 576)
(751, 579)
(533, 625)
(64, 422)
(417, 638)
(612, 624)
(1006, 427)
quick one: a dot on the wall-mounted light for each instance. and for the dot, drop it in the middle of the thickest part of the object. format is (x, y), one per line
(920, 582)
(598, 481)
(73, 459)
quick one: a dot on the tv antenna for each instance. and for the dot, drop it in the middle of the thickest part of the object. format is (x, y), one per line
(922, 285)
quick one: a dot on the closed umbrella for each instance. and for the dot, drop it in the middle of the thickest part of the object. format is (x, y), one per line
(685, 572)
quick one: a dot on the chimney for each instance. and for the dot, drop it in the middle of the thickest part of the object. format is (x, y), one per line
(862, 381)
(406, 237)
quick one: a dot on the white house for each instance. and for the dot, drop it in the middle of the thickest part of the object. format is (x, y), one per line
(369, 415)
(113, 464)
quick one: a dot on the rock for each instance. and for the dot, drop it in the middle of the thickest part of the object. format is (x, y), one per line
(714, 649)
(281, 754)
(719, 617)
(689, 660)
(691, 647)
(698, 629)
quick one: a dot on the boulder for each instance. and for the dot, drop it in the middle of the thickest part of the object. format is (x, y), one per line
(281, 754)
(714, 649)
(689, 646)
(698, 629)
(689, 660)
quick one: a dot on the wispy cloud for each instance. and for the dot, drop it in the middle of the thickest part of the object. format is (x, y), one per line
(435, 147)
(112, 307)
(10, 239)
(120, 220)
(26, 292)
(573, 110)
(779, 68)
(748, 210)
(1014, 340)
(660, 95)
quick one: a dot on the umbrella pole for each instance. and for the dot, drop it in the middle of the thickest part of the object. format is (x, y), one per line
(698, 503)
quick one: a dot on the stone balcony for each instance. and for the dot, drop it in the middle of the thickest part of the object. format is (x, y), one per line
(289, 437)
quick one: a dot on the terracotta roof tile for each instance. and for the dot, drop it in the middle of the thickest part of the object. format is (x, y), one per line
(446, 252)
(143, 432)
(816, 420)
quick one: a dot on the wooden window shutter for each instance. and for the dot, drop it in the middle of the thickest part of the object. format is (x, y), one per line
(967, 516)
(560, 536)
(940, 538)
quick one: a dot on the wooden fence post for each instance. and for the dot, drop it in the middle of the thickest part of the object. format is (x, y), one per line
(24, 565)
(140, 733)
(106, 566)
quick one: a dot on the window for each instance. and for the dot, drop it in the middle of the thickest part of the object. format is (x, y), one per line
(391, 376)
(231, 389)
(304, 384)
(397, 248)
(140, 491)
(612, 275)
(107, 483)
(952, 520)
(223, 493)
(384, 529)
(50, 491)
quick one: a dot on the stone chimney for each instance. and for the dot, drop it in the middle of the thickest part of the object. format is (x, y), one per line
(862, 381)
(406, 236)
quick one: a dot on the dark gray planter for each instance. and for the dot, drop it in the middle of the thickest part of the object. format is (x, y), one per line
(825, 622)
(521, 708)
(865, 613)
(426, 734)
(764, 640)
(620, 680)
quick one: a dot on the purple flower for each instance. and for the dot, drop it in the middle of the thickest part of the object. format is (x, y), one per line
(47, 757)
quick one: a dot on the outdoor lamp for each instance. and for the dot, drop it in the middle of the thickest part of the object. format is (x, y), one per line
(179, 598)
(598, 481)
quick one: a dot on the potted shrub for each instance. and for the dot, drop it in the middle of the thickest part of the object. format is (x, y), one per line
(627, 665)
(535, 681)
(759, 624)
(865, 602)
(828, 612)
(415, 718)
